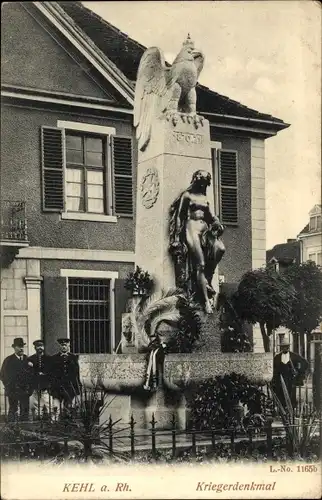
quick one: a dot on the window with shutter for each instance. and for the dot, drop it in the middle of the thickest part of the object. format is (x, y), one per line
(122, 175)
(84, 171)
(86, 166)
(228, 181)
(53, 157)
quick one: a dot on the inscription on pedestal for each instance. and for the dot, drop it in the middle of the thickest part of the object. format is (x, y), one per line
(188, 138)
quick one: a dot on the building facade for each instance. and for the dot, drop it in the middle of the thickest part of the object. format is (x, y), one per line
(68, 175)
(310, 237)
(307, 247)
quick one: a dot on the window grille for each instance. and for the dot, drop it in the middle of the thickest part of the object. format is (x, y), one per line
(89, 315)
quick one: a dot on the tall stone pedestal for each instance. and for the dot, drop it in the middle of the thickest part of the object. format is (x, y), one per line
(210, 339)
(165, 169)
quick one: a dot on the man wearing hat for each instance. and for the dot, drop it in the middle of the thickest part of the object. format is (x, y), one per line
(65, 380)
(15, 376)
(40, 365)
(292, 367)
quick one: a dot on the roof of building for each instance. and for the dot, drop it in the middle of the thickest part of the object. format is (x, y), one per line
(316, 211)
(305, 229)
(126, 53)
(285, 252)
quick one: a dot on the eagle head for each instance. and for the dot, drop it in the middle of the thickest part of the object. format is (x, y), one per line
(189, 53)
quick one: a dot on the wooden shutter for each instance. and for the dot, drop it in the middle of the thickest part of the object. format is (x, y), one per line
(215, 180)
(122, 297)
(54, 311)
(122, 159)
(228, 181)
(53, 159)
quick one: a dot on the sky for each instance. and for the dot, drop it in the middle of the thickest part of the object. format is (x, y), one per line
(265, 54)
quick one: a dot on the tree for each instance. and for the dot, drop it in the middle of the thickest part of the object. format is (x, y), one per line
(306, 311)
(265, 297)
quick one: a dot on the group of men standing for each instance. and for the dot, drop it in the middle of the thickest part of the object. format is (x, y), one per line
(40, 381)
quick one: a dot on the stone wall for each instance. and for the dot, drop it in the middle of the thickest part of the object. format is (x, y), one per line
(14, 309)
(20, 306)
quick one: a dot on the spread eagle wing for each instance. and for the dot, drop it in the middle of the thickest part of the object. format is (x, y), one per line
(199, 61)
(153, 82)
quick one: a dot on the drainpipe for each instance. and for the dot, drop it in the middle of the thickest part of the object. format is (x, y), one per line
(301, 250)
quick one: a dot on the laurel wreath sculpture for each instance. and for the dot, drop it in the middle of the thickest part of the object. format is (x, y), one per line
(171, 308)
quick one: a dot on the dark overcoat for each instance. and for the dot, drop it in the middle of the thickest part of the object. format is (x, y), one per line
(16, 376)
(293, 374)
(41, 371)
(65, 379)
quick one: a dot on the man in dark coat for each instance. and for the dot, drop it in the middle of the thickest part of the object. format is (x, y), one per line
(15, 376)
(65, 380)
(40, 365)
(293, 368)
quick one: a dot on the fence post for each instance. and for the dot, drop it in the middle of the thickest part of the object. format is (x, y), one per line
(193, 439)
(132, 435)
(300, 401)
(250, 437)
(153, 432)
(42, 442)
(65, 440)
(269, 438)
(5, 408)
(232, 441)
(213, 438)
(173, 431)
(289, 442)
(17, 446)
(110, 435)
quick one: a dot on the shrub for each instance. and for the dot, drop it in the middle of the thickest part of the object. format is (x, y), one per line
(139, 282)
(220, 403)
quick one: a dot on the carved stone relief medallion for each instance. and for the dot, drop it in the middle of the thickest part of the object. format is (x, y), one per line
(150, 187)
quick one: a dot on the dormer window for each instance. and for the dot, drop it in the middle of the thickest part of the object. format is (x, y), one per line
(315, 223)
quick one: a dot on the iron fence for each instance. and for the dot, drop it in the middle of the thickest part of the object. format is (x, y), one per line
(13, 221)
(304, 404)
(41, 442)
(61, 433)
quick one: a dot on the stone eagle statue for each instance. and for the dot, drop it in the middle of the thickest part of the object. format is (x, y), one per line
(166, 89)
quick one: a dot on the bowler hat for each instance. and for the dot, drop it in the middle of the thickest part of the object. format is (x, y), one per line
(63, 340)
(38, 342)
(284, 343)
(18, 342)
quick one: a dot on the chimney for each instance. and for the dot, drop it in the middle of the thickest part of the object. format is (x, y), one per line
(291, 240)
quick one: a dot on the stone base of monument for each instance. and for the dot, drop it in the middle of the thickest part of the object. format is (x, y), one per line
(118, 407)
(164, 405)
(124, 375)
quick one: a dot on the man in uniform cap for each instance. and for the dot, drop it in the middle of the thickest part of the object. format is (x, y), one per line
(40, 365)
(293, 368)
(65, 381)
(16, 379)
